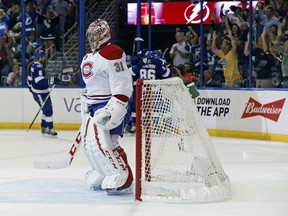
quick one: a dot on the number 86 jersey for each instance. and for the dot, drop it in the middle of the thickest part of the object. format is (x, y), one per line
(105, 73)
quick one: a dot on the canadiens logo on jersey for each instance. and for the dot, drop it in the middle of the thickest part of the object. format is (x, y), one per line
(87, 69)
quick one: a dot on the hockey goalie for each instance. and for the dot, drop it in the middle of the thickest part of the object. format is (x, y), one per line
(108, 89)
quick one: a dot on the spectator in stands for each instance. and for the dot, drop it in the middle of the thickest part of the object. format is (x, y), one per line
(14, 78)
(49, 30)
(72, 16)
(228, 55)
(61, 7)
(210, 55)
(6, 57)
(236, 34)
(4, 21)
(188, 73)
(281, 54)
(281, 7)
(204, 45)
(16, 30)
(244, 12)
(33, 43)
(263, 61)
(15, 15)
(267, 16)
(284, 65)
(16, 49)
(31, 14)
(191, 37)
(42, 5)
(234, 17)
(220, 28)
(185, 72)
(243, 60)
(178, 52)
(209, 80)
(271, 43)
(178, 72)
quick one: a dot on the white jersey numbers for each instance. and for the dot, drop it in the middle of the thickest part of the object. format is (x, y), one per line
(147, 74)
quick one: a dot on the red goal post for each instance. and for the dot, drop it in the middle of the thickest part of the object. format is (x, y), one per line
(175, 157)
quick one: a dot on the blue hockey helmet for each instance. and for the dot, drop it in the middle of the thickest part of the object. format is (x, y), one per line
(157, 53)
(39, 54)
(149, 54)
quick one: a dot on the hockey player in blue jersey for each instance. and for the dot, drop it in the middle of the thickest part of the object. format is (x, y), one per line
(151, 67)
(39, 86)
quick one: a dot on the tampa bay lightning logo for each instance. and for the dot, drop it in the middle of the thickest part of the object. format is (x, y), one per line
(192, 13)
(87, 69)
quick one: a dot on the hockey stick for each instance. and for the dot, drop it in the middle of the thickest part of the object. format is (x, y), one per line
(164, 53)
(64, 163)
(134, 44)
(43, 104)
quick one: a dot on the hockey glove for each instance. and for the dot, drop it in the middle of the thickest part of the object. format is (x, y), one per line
(54, 80)
(111, 115)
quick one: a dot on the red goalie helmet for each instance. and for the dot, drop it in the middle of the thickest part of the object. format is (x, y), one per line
(98, 33)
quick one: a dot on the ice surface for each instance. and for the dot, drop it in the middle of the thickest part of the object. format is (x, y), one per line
(258, 171)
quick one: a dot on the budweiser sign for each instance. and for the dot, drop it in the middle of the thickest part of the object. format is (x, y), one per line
(271, 110)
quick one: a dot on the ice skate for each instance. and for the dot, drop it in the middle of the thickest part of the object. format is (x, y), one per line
(52, 132)
(44, 130)
(121, 190)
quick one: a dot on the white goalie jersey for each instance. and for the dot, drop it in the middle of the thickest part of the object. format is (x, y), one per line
(105, 73)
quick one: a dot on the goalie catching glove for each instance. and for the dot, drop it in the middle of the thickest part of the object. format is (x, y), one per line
(111, 115)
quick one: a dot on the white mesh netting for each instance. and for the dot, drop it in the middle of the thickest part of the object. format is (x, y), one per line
(178, 160)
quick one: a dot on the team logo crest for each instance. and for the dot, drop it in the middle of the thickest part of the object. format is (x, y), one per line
(87, 70)
(192, 13)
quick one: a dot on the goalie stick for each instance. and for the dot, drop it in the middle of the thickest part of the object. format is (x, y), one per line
(64, 163)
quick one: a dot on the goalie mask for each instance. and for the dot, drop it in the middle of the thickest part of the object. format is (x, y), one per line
(98, 33)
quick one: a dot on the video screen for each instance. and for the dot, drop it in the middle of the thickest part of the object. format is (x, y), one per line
(170, 13)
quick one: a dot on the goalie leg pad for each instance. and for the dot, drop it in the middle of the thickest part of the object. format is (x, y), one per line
(110, 162)
(127, 186)
(118, 171)
(95, 176)
(94, 179)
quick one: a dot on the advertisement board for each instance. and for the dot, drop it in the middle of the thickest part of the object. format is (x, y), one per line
(258, 114)
(171, 13)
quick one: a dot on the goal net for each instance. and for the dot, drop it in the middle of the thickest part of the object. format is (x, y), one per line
(175, 158)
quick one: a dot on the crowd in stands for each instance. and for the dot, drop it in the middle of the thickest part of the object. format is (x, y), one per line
(45, 23)
(225, 47)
